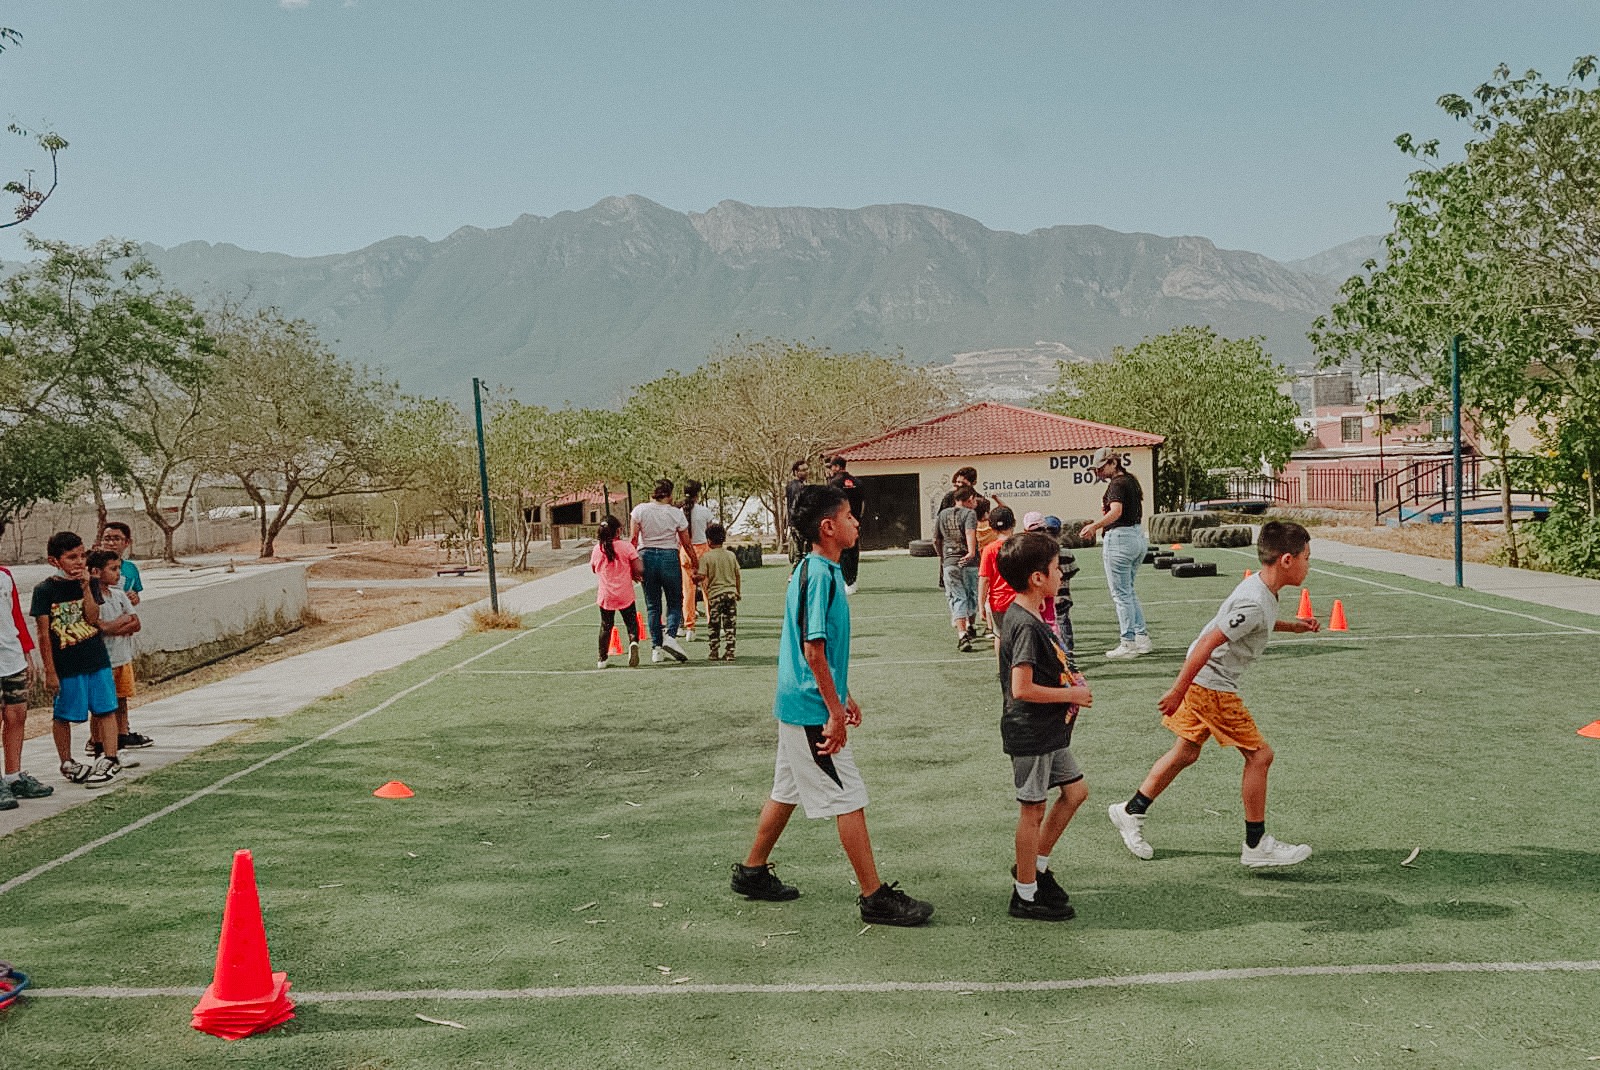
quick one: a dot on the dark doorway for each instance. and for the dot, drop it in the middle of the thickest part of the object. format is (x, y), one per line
(891, 512)
(570, 513)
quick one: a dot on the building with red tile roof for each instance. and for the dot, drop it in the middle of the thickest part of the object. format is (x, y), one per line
(1029, 459)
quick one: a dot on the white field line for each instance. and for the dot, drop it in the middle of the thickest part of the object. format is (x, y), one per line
(1448, 598)
(172, 808)
(958, 988)
(1355, 637)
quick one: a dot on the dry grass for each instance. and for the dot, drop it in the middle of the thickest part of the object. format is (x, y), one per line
(489, 620)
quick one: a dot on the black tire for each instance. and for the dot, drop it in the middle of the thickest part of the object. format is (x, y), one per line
(1170, 561)
(1187, 569)
(921, 547)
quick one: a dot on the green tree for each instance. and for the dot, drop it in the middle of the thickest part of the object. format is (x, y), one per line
(295, 424)
(82, 329)
(1216, 400)
(754, 408)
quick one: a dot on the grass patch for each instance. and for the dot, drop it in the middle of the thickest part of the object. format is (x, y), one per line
(1444, 721)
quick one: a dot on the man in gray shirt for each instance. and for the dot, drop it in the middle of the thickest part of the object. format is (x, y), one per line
(955, 536)
(1204, 701)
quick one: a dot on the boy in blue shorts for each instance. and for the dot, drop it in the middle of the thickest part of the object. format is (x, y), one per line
(815, 711)
(1041, 697)
(77, 667)
(1203, 703)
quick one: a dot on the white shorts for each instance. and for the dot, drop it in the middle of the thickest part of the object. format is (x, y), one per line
(827, 786)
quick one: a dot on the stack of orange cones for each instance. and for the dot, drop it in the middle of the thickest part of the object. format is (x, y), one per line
(245, 997)
(1336, 621)
(1305, 604)
(616, 641)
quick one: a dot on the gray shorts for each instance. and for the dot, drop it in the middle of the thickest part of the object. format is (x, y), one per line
(1036, 774)
(826, 786)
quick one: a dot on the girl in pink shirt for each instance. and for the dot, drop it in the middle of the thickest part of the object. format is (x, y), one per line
(617, 566)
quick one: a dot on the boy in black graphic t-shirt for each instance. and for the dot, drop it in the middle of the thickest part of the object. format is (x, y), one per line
(77, 667)
(1042, 695)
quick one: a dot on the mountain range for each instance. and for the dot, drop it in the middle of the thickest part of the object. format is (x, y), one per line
(581, 305)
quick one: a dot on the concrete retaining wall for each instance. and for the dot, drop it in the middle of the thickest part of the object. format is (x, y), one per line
(193, 619)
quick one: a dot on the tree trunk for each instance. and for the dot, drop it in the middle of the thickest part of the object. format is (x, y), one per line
(555, 532)
(1505, 506)
(99, 510)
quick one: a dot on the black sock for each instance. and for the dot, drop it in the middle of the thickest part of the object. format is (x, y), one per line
(1139, 803)
(1253, 831)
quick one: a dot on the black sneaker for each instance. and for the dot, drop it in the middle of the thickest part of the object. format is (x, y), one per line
(964, 644)
(105, 771)
(134, 740)
(890, 906)
(26, 787)
(1038, 910)
(91, 748)
(759, 882)
(8, 801)
(1050, 891)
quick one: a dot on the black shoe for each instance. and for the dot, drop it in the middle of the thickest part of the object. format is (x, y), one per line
(890, 906)
(759, 882)
(1049, 890)
(964, 644)
(1038, 910)
(134, 740)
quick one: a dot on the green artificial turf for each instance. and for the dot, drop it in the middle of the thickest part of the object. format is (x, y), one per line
(575, 828)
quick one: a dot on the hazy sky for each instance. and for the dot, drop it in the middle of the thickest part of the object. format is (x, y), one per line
(318, 126)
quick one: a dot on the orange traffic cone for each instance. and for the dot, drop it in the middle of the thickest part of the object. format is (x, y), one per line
(616, 641)
(1336, 621)
(245, 997)
(1591, 730)
(394, 790)
(1305, 604)
(1177, 546)
(1248, 573)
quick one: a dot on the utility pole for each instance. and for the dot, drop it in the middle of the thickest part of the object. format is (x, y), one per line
(483, 484)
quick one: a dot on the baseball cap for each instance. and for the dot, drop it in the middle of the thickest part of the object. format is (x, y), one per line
(1101, 456)
(1032, 520)
(1052, 523)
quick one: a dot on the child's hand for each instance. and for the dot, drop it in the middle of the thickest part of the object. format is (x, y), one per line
(1305, 624)
(833, 736)
(852, 712)
(1079, 694)
(52, 683)
(1168, 704)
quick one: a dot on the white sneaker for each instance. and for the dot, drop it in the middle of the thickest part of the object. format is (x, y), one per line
(104, 772)
(671, 646)
(1123, 651)
(602, 663)
(656, 657)
(1269, 852)
(688, 635)
(850, 588)
(633, 654)
(1131, 826)
(1142, 644)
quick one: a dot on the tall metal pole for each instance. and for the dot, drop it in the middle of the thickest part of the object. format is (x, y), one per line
(1455, 453)
(483, 485)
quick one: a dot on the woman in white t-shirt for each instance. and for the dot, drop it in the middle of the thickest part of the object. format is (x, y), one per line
(659, 529)
(698, 517)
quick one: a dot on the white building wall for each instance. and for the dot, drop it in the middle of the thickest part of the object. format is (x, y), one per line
(1060, 484)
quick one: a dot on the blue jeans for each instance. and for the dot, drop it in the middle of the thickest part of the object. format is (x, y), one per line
(662, 578)
(1123, 554)
(961, 588)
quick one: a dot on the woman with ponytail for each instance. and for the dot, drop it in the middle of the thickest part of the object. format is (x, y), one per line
(659, 529)
(617, 567)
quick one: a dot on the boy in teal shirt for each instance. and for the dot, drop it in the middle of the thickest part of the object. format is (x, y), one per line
(815, 711)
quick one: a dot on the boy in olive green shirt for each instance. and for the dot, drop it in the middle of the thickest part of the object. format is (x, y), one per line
(721, 571)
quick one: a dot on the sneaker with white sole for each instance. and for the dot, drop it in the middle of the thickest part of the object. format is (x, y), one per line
(104, 772)
(602, 664)
(75, 771)
(1269, 852)
(26, 787)
(8, 801)
(688, 635)
(1142, 643)
(633, 654)
(1123, 650)
(656, 656)
(850, 588)
(671, 645)
(1131, 827)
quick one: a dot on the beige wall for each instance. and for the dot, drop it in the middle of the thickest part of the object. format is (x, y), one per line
(1053, 483)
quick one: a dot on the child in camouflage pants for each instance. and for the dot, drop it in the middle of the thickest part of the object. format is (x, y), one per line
(720, 569)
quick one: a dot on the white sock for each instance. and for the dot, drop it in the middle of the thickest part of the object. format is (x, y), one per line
(1041, 862)
(11, 778)
(1027, 891)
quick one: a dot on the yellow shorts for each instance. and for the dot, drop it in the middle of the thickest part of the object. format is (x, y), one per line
(1206, 713)
(123, 675)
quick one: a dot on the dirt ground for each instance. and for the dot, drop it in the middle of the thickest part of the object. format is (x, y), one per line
(1479, 542)
(339, 614)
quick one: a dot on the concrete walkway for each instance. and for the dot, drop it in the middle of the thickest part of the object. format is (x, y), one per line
(1539, 588)
(197, 718)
